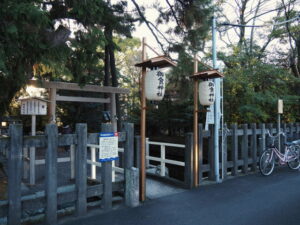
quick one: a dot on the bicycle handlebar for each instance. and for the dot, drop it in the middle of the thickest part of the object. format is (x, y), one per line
(275, 136)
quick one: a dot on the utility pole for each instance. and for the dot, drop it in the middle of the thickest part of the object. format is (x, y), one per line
(216, 104)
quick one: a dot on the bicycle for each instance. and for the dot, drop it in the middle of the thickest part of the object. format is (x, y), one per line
(290, 156)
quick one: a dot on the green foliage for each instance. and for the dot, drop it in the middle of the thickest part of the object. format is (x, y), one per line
(251, 93)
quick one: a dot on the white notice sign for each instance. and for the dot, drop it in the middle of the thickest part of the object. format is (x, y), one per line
(108, 146)
(210, 116)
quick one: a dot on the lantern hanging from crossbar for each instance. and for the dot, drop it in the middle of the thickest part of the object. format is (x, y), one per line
(207, 92)
(155, 84)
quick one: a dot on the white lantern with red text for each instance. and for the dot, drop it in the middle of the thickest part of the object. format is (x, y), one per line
(206, 93)
(155, 83)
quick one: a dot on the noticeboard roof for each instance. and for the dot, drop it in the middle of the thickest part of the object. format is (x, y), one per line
(159, 61)
(33, 98)
(209, 74)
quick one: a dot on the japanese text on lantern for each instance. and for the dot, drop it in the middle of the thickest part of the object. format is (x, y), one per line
(211, 91)
(160, 86)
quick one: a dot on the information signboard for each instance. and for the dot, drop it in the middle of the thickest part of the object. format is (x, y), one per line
(108, 142)
(210, 117)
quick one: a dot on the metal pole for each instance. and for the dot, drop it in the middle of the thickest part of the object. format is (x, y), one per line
(195, 125)
(278, 130)
(143, 128)
(216, 104)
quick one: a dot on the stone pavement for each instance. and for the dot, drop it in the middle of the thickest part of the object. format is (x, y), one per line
(247, 200)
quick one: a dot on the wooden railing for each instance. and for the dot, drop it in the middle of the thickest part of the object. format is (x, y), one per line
(242, 146)
(162, 159)
(52, 199)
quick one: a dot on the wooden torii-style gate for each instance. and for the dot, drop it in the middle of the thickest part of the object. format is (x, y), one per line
(54, 97)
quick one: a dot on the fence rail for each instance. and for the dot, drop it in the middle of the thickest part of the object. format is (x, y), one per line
(54, 197)
(242, 146)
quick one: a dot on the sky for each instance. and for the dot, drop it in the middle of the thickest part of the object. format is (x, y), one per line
(230, 10)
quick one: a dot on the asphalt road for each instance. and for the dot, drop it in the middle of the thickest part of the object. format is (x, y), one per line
(247, 200)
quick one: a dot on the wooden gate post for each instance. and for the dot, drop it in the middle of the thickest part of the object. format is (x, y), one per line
(14, 174)
(51, 174)
(80, 169)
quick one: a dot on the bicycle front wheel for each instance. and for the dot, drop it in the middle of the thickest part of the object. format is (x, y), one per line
(294, 164)
(267, 162)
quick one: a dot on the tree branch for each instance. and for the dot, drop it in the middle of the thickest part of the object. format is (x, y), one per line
(148, 23)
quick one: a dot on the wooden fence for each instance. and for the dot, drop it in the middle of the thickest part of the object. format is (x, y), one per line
(243, 145)
(51, 200)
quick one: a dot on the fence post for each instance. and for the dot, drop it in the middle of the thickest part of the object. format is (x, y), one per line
(298, 130)
(254, 147)
(188, 158)
(106, 174)
(291, 136)
(14, 174)
(131, 173)
(51, 174)
(224, 156)
(32, 165)
(147, 152)
(285, 131)
(234, 150)
(93, 159)
(262, 139)
(25, 163)
(137, 149)
(211, 152)
(200, 144)
(245, 148)
(72, 161)
(129, 145)
(80, 169)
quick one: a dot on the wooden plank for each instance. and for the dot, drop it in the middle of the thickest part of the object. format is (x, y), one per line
(80, 169)
(76, 87)
(51, 174)
(52, 105)
(225, 156)
(14, 174)
(128, 128)
(200, 144)
(211, 153)
(291, 133)
(285, 130)
(262, 145)
(131, 187)
(188, 159)
(113, 112)
(254, 147)
(297, 130)
(4, 144)
(106, 175)
(245, 148)
(66, 194)
(61, 98)
(234, 153)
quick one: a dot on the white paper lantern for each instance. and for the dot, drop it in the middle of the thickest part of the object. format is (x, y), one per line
(155, 82)
(206, 93)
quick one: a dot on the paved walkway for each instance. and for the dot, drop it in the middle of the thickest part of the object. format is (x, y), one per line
(248, 200)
